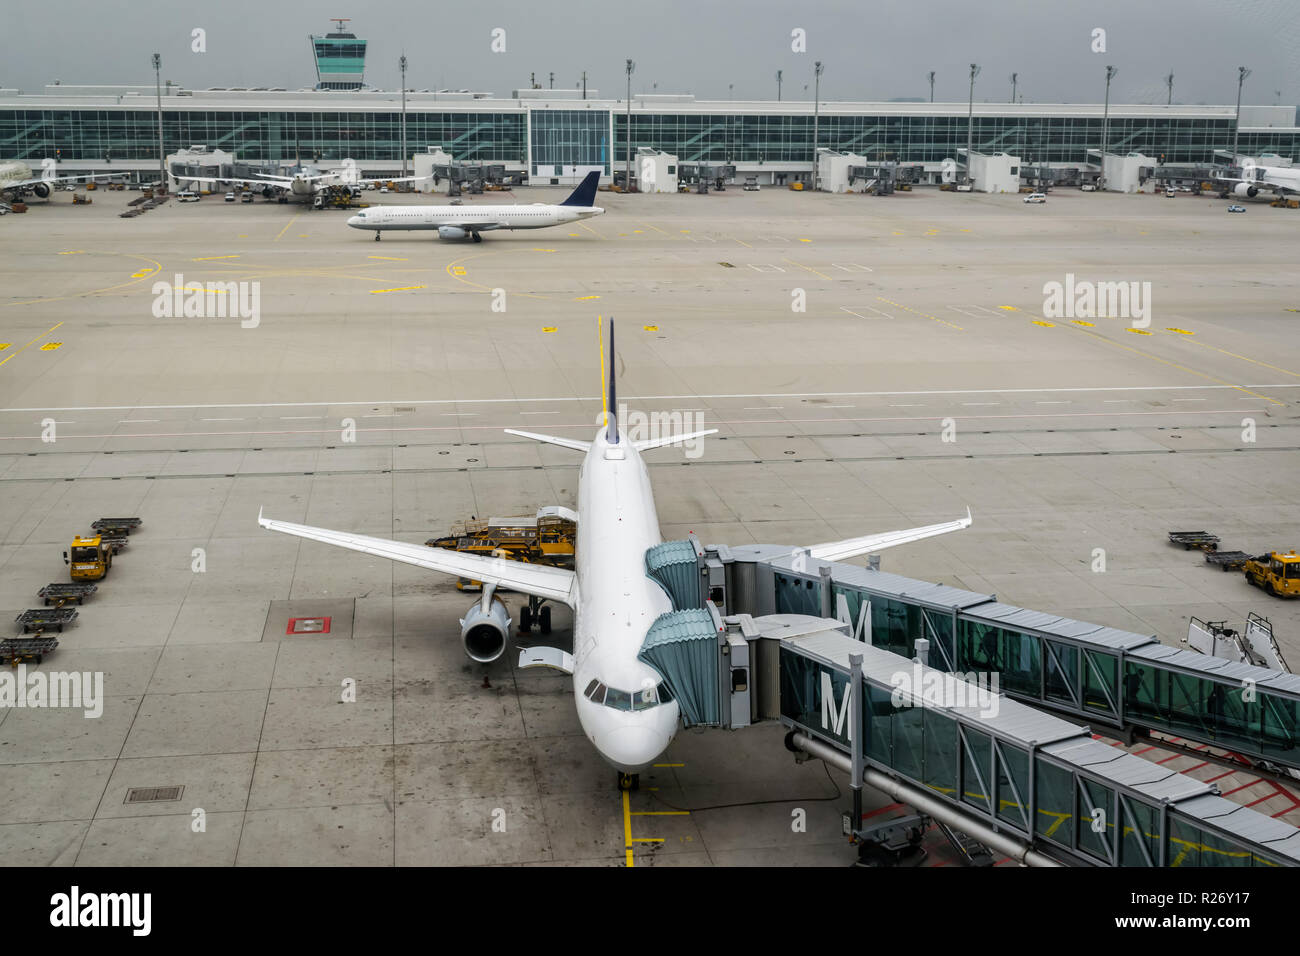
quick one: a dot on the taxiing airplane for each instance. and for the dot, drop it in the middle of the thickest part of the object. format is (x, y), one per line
(1276, 179)
(622, 702)
(463, 222)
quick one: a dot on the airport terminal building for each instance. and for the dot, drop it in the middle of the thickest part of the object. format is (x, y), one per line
(557, 134)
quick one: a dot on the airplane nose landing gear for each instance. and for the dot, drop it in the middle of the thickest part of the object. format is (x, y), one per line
(376, 237)
(629, 781)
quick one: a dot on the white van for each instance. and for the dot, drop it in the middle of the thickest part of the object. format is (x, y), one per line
(1036, 197)
(186, 195)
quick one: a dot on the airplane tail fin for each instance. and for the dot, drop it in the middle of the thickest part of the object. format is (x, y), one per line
(585, 194)
(608, 393)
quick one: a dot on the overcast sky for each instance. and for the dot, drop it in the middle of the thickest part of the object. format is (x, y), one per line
(872, 49)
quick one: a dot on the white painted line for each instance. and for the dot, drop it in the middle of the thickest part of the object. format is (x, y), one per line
(138, 421)
(1189, 399)
(839, 406)
(962, 312)
(982, 309)
(1078, 389)
(966, 404)
(870, 308)
(221, 419)
(299, 418)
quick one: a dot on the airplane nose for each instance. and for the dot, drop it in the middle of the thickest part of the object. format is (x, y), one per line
(633, 749)
(354, 221)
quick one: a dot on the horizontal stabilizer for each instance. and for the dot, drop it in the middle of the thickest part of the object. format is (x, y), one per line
(851, 547)
(649, 443)
(573, 443)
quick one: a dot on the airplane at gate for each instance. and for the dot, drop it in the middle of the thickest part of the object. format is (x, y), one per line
(465, 222)
(621, 701)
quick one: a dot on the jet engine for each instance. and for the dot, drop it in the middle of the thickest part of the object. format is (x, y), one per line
(42, 190)
(485, 635)
(452, 232)
(1245, 189)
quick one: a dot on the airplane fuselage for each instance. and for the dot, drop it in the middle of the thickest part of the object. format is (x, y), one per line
(471, 218)
(617, 603)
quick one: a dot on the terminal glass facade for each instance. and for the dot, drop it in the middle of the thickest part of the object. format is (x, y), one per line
(562, 138)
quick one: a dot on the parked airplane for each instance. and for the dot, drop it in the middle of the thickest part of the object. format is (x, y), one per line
(302, 181)
(622, 702)
(16, 179)
(1277, 179)
(462, 222)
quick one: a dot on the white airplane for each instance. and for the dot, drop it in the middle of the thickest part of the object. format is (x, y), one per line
(16, 179)
(302, 181)
(462, 222)
(1276, 179)
(621, 701)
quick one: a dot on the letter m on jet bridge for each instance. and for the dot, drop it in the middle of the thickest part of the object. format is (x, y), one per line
(834, 720)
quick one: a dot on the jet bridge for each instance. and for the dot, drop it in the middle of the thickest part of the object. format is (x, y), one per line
(761, 632)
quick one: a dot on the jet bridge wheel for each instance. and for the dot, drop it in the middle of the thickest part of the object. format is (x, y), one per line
(629, 781)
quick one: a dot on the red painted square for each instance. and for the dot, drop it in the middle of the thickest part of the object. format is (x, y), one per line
(308, 625)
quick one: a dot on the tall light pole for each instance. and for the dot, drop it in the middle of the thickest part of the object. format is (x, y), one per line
(970, 118)
(1169, 82)
(817, 95)
(584, 84)
(1105, 123)
(1242, 73)
(402, 64)
(932, 86)
(1014, 77)
(157, 85)
(778, 85)
(627, 160)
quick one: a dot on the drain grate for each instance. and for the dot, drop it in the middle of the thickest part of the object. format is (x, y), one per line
(153, 794)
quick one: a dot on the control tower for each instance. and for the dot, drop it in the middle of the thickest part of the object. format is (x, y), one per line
(340, 58)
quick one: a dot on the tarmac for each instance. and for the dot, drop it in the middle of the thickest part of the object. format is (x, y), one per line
(871, 364)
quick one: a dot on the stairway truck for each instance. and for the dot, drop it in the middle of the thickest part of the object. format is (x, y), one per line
(1275, 572)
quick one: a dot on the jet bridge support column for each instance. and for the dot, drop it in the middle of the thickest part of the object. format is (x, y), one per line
(855, 731)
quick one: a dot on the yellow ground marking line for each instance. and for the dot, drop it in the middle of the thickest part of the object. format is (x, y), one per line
(1046, 325)
(460, 277)
(808, 268)
(1170, 328)
(51, 346)
(73, 252)
(585, 298)
(5, 345)
(637, 232)
(661, 813)
(670, 765)
(742, 242)
(209, 258)
(650, 328)
(1085, 324)
(142, 273)
(805, 240)
(286, 228)
(459, 271)
(32, 342)
(112, 288)
(405, 288)
(627, 829)
(574, 235)
(542, 250)
(1138, 331)
(548, 328)
(647, 839)
(1284, 371)
(935, 318)
(1155, 358)
(389, 258)
(656, 228)
(583, 225)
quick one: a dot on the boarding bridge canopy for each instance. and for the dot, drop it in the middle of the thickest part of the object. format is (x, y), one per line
(683, 647)
(1015, 768)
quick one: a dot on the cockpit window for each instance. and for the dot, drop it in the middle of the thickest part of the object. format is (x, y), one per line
(591, 687)
(596, 692)
(645, 699)
(618, 699)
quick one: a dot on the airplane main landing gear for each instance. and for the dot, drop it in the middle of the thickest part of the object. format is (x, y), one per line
(629, 781)
(477, 237)
(536, 613)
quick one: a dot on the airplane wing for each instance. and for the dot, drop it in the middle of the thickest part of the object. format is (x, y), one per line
(12, 183)
(851, 547)
(268, 181)
(555, 584)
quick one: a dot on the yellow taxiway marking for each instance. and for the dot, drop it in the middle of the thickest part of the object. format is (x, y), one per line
(584, 298)
(656, 228)
(5, 345)
(286, 228)
(935, 318)
(458, 270)
(805, 240)
(50, 346)
(209, 258)
(650, 328)
(81, 295)
(808, 268)
(583, 225)
(405, 288)
(242, 237)
(638, 231)
(1085, 324)
(1009, 308)
(543, 250)
(33, 341)
(1178, 331)
(302, 235)
(389, 258)
(1046, 325)
(627, 827)
(574, 235)
(1284, 371)
(670, 765)
(647, 839)
(548, 328)
(684, 231)
(73, 252)
(743, 243)
(1137, 331)
(142, 273)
